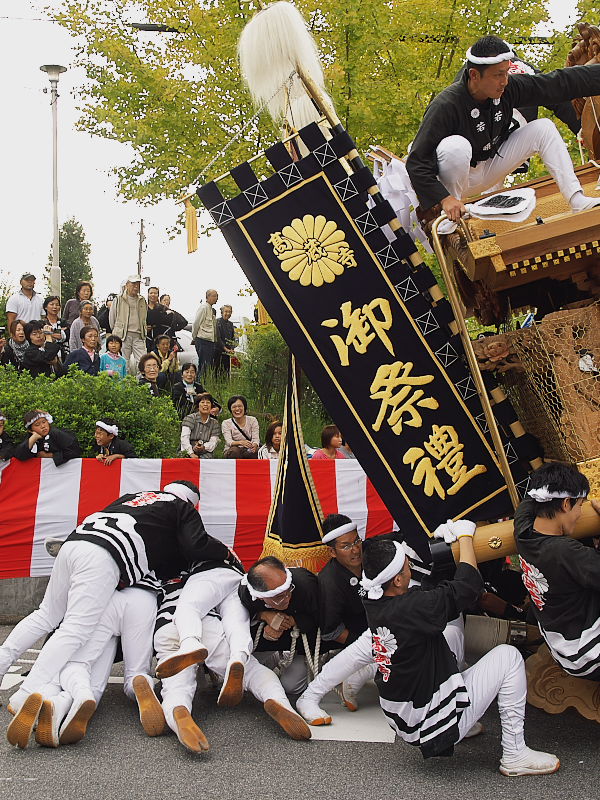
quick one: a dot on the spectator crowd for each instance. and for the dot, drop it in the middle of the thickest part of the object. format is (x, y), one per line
(139, 337)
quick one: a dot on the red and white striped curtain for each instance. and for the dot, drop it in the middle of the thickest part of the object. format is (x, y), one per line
(38, 500)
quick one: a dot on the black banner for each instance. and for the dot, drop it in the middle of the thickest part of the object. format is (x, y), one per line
(354, 311)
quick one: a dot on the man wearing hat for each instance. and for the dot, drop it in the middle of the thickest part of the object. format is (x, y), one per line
(127, 318)
(26, 304)
(468, 141)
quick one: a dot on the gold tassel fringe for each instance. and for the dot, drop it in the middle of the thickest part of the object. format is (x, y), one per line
(313, 557)
(191, 226)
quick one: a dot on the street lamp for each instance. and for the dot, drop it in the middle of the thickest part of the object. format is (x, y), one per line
(53, 71)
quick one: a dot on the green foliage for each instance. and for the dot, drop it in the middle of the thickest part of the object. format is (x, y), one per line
(6, 290)
(78, 400)
(177, 98)
(74, 258)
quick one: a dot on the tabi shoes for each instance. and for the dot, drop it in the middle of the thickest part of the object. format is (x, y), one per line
(529, 762)
(232, 690)
(348, 697)
(581, 202)
(292, 723)
(307, 705)
(191, 651)
(188, 733)
(75, 723)
(22, 724)
(52, 713)
(152, 715)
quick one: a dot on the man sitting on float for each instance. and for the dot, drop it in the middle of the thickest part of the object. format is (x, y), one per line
(468, 141)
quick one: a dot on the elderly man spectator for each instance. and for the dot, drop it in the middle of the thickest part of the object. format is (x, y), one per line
(204, 331)
(26, 304)
(127, 318)
(285, 602)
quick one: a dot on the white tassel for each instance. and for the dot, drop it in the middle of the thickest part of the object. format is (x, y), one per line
(271, 46)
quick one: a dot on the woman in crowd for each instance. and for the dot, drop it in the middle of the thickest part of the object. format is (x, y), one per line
(241, 431)
(46, 441)
(86, 355)
(112, 361)
(165, 300)
(83, 291)
(86, 319)
(151, 375)
(7, 447)
(331, 441)
(185, 390)
(270, 448)
(12, 352)
(109, 446)
(167, 357)
(41, 357)
(200, 431)
(52, 318)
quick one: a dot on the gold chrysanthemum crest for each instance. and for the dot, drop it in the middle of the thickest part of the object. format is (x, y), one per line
(312, 250)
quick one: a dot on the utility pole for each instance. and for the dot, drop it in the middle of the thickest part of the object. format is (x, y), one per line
(53, 71)
(142, 238)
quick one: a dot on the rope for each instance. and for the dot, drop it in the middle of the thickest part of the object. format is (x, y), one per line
(243, 129)
(285, 660)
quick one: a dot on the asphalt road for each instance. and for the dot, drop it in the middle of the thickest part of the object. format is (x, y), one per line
(251, 759)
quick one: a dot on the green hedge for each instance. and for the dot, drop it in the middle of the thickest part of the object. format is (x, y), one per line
(78, 400)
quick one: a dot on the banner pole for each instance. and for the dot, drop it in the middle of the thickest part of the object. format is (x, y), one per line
(472, 360)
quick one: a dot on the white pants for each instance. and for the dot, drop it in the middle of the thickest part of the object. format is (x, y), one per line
(179, 690)
(499, 673)
(81, 585)
(131, 614)
(541, 136)
(294, 678)
(133, 344)
(214, 588)
(360, 654)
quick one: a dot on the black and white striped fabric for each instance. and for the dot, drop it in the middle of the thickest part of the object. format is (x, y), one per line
(171, 591)
(153, 532)
(562, 577)
(421, 690)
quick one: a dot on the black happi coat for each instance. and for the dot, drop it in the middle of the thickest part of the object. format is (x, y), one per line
(116, 446)
(304, 607)
(153, 532)
(7, 447)
(36, 360)
(418, 679)
(562, 577)
(61, 443)
(340, 603)
(486, 125)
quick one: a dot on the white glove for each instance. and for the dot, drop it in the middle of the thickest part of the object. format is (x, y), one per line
(444, 532)
(450, 531)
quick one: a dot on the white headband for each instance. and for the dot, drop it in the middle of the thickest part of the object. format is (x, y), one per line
(42, 415)
(183, 492)
(348, 527)
(3, 419)
(256, 595)
(372, 586)
(108, 428)
(543, 495)
(491, 59)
